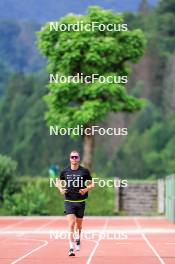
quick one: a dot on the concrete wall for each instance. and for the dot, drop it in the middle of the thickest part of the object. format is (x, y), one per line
(141, 198)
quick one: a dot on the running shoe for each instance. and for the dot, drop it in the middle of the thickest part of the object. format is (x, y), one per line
(77, 245)
(71, 252)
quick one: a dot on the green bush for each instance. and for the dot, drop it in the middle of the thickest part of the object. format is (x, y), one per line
(101, 202)
(30, 201)
(7, 175)
(36, 197)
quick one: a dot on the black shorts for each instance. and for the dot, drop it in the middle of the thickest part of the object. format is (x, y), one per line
(76, 208)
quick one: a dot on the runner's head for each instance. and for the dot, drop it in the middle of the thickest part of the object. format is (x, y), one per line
(74, 157)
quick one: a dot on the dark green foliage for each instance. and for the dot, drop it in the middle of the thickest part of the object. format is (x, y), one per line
(167, 6)
(38, 198)
(166, 26)
(30, 201)
(105, 53)
(25, 135)
(5, 73)
(148, 151)
(7, 175)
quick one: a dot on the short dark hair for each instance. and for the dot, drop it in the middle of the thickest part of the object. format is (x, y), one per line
(74, 150)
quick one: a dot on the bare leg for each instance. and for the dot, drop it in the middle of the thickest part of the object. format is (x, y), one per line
(71, 218)
(78, 232)
(78, 226)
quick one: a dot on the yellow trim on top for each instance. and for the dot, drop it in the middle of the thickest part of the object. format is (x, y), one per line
(78, 201)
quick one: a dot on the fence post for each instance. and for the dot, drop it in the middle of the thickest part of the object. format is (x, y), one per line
(161, 195)
(170, 198)
(116, 193)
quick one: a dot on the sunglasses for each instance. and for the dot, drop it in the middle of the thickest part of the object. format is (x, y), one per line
(74, 157)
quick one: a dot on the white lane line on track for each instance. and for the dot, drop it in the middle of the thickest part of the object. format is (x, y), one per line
(97, 243)
(22, 233)
(123, 243)
(46, 224)
(7, 227)
(12, 225)
(10, 232)
(148, 242)
(98, 231)
(37, 248)
(32, 251)
(27, 232)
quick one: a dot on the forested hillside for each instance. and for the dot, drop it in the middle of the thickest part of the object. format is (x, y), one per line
(148, 149)
(45, 10)
(18, 51)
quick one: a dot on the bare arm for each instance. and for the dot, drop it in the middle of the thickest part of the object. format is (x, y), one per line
(59, 184)
(89, 187)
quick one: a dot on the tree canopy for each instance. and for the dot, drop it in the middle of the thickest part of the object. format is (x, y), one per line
(102, 52)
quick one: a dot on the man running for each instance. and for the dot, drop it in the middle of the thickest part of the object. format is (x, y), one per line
(74, 183)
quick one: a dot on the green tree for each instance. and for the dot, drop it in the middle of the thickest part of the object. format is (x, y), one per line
(148, 151)
(166, 26)
(23, 131)
(102, 52)
(166, 6)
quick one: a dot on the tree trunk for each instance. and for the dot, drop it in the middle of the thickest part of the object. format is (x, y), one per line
(88, 146)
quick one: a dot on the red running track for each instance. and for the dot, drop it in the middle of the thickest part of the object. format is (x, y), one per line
(122, 240)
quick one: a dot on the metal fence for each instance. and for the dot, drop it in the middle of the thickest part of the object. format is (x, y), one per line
(170, 198)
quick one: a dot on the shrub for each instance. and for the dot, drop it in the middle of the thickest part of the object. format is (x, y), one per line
(30, 201)
(37, 198)
(7, 175)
